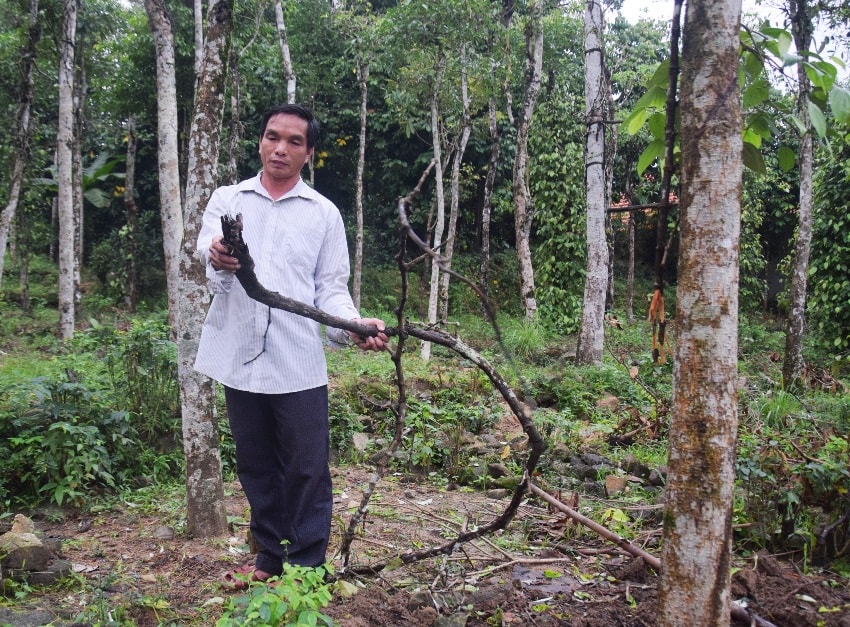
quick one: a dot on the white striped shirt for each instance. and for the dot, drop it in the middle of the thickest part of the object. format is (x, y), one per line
(299, 250)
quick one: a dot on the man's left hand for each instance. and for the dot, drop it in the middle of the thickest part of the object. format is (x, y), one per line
(371, 343)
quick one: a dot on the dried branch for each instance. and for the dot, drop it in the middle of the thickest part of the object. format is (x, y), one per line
(232, 237)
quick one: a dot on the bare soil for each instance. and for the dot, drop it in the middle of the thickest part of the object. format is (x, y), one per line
(542, 570)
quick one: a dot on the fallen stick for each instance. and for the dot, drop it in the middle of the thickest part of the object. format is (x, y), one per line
(738, 611)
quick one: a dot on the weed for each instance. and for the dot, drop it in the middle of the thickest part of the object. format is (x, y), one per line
(294, 598)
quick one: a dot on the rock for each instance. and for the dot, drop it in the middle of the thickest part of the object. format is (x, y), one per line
(633, 466)
(611, 403)
(490, 597)
(458, 619)
(22, 524)
(614, 484)
(54, 571)
(360, 442)
(497, 471)
(419, 599)
(23, 551)
(163, 533)
(658, 476)
(498, 494)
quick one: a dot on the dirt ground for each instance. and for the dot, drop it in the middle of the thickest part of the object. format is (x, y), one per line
(542, 570)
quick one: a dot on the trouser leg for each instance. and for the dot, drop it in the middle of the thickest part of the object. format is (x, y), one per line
(282, 444)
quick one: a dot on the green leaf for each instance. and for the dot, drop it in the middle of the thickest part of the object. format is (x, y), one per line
(661, 76)
(655, 97)
(753, 158)
(760, 125)
(752, 138)
(839, 101)
(657, 125)
(650, 154)
(635, 121)
(786, 157)
(755, 94)
(818, 119)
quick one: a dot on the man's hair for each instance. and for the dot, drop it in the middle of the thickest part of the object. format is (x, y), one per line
(294, 109)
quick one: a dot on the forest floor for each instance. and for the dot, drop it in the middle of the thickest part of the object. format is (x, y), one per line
(541, 570)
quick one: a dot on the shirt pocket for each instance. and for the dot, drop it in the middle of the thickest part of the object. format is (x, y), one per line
(302, 249)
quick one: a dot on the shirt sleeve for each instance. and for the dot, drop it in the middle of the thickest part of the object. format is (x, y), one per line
(331, 278)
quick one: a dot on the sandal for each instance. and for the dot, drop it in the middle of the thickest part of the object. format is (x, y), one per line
(242, 577)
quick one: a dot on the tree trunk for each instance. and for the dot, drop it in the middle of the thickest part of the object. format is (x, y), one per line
(439, 226)
(792, 367)
(80, 89)
(204, 488)
(487, 202)
(171, 206)
(466, 131)
(592, 335)
(22, 138)
(132, 209)
(64, 170)
(630, 278)
(362, 79)
(198, 21)
(694, 588)
(523, 208)
(288, 71)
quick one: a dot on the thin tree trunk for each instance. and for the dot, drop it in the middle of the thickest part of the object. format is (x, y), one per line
(22, 139)
(592, 335)
(523, 208)
(466, 131)
(489, 184)
(439, 226)
(171, 207)
(792, 367)
(80, 89)
(204, 487)
(132, 209)
(64, 170)
(288, 71)
(198, 21)
(610, 157)
(694, 588)
(362, 79)
(630, 279)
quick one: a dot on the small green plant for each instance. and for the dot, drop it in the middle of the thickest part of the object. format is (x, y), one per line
(294, 598)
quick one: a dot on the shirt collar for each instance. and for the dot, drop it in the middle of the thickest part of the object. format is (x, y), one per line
(301, 189)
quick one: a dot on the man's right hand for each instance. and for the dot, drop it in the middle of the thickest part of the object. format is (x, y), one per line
(219, 257)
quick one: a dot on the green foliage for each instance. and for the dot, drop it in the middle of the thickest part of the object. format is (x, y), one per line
(829, 267)
(294, 598)
(102, 416)
(60, 441)
(557, 187)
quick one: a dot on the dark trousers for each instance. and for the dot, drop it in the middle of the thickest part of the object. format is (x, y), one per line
(282, 443)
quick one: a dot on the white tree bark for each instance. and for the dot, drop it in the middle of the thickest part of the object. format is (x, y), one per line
(288, 71)
(592, 335)
(23, 135)
(454, 202)
(204, 487)
(694, 588)
(171, 206)
(132, 212)
(440, 224)
(362, 79)
(64, 170)
(198, 14)
(523, 207)
(792, 367)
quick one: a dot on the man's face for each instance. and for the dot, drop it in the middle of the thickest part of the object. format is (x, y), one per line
(283, 147)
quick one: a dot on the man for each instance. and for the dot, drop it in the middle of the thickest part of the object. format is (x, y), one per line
(271, 362)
